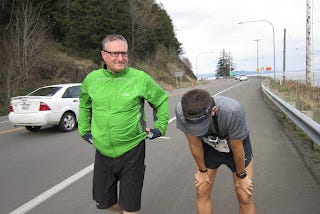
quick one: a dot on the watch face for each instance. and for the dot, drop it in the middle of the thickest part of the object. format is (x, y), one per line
(242, 175)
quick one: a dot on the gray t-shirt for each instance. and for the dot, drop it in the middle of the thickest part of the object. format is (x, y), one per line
(231, 119)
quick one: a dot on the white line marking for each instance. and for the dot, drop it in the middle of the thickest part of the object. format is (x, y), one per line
(60, 186)
(172, 119)
(163, 137)
(47, 194)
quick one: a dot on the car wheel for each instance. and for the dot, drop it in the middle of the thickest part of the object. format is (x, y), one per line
(33, 128)
(67, 122)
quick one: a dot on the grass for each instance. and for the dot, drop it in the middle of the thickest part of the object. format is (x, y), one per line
(303, 97)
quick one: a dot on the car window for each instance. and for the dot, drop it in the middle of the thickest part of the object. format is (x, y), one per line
(48, 91)
(72, 92)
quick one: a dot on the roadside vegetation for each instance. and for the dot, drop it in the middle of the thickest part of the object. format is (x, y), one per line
(305, 98)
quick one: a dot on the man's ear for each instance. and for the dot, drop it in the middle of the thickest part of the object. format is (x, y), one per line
(213, 111)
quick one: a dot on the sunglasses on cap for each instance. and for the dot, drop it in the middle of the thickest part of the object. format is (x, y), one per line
(195, 118)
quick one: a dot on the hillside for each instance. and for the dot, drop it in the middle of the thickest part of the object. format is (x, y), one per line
(47, 42)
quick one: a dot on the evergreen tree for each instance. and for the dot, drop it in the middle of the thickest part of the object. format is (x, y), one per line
(225, 64)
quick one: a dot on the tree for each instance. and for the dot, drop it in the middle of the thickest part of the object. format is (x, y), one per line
(225, 64)
(23, 47)
(140, 11)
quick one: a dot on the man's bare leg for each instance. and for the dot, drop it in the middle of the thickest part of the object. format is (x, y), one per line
(246, 202)
(204, 201)
(115, 208)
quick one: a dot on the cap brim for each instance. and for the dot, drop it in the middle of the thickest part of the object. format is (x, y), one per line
(198, 128)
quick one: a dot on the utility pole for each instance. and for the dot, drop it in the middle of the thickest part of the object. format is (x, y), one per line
(257, 69)
(229, 64)
(308, 44)
(284, 55)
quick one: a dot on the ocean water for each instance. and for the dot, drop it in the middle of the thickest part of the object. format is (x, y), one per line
(298, 75)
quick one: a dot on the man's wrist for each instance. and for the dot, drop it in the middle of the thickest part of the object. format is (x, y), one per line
(242, 174)
(203, 170)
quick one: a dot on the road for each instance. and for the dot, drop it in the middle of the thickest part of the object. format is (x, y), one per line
(39, 170)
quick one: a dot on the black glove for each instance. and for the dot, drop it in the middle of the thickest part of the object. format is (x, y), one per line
(87, 137)
(153, 133)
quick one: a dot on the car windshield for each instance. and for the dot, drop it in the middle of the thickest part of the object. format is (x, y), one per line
(48, 91)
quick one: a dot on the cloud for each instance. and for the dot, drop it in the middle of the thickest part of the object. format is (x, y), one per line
(210, 26)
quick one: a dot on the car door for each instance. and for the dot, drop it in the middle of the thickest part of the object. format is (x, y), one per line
(71, 98)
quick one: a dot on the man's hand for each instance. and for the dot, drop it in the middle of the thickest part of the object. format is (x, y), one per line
(153, 133)
(200, 178)
(246, 185)
(88, 138)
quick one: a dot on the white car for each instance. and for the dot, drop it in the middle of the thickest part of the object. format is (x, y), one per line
(243, 78)
(56, 105)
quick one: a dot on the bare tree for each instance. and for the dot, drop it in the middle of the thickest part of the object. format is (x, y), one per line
(24, 46)
(140, 13)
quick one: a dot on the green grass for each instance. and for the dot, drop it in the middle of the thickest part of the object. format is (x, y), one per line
(306, 97)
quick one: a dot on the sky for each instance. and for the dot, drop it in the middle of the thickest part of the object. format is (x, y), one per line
(206, 27)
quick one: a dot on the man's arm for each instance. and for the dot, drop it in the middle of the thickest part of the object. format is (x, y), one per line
(239, 158)
(238, 154)
(84, 121)
(158, 100)
(196, 149)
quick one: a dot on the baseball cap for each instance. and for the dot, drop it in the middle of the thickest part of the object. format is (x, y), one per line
(198, 124)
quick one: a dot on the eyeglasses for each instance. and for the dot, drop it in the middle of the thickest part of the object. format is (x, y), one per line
(116, 54)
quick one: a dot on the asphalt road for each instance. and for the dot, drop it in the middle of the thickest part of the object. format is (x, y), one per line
(50, 172)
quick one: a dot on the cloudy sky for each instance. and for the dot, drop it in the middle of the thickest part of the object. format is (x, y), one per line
(205, 27)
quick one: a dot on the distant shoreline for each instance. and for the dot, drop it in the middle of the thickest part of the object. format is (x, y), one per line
(298, 75)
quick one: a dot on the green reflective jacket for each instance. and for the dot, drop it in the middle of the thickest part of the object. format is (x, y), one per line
(112, 109)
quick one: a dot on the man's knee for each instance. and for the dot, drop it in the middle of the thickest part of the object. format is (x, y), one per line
(204, 190)
(243, 198)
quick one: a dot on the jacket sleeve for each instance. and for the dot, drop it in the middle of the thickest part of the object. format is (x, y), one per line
(84, 121)
(158, 99)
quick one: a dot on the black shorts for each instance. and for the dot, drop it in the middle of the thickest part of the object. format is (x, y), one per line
(128, 170)
(214, 159)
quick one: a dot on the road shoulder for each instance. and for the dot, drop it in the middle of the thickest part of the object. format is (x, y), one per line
(303, 145)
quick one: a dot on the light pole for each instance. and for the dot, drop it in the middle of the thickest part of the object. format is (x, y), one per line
(274, 46)
(257, 40)
(197, 60)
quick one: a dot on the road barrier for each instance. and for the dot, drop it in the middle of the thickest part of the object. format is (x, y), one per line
(305, 123)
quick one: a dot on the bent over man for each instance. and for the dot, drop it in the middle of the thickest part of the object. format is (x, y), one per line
(217, 132)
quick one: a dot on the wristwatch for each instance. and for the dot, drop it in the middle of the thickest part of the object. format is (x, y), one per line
(203, 170)
(241, 175)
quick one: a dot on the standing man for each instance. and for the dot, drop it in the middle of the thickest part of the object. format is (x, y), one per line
(111, 116)
(217, 132)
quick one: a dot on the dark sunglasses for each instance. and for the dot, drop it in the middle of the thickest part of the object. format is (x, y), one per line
(195, 118)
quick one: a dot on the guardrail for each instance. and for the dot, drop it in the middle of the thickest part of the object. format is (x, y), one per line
(306, 124)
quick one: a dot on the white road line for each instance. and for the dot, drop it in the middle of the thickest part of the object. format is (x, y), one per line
(60, 186)
(47, 194)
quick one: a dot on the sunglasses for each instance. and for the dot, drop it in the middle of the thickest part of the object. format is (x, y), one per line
(195, 118)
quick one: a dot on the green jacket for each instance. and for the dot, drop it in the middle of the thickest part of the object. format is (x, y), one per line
(112, 109)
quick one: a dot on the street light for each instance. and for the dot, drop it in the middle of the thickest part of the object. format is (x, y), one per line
(197, 60)
(274, 46)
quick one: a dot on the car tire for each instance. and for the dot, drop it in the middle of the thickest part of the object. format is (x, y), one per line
(68, 122)
(33, 128)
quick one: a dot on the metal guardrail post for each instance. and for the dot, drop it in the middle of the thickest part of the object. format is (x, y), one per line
(306, 124)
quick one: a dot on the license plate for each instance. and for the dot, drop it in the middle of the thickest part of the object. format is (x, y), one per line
(24, 107)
